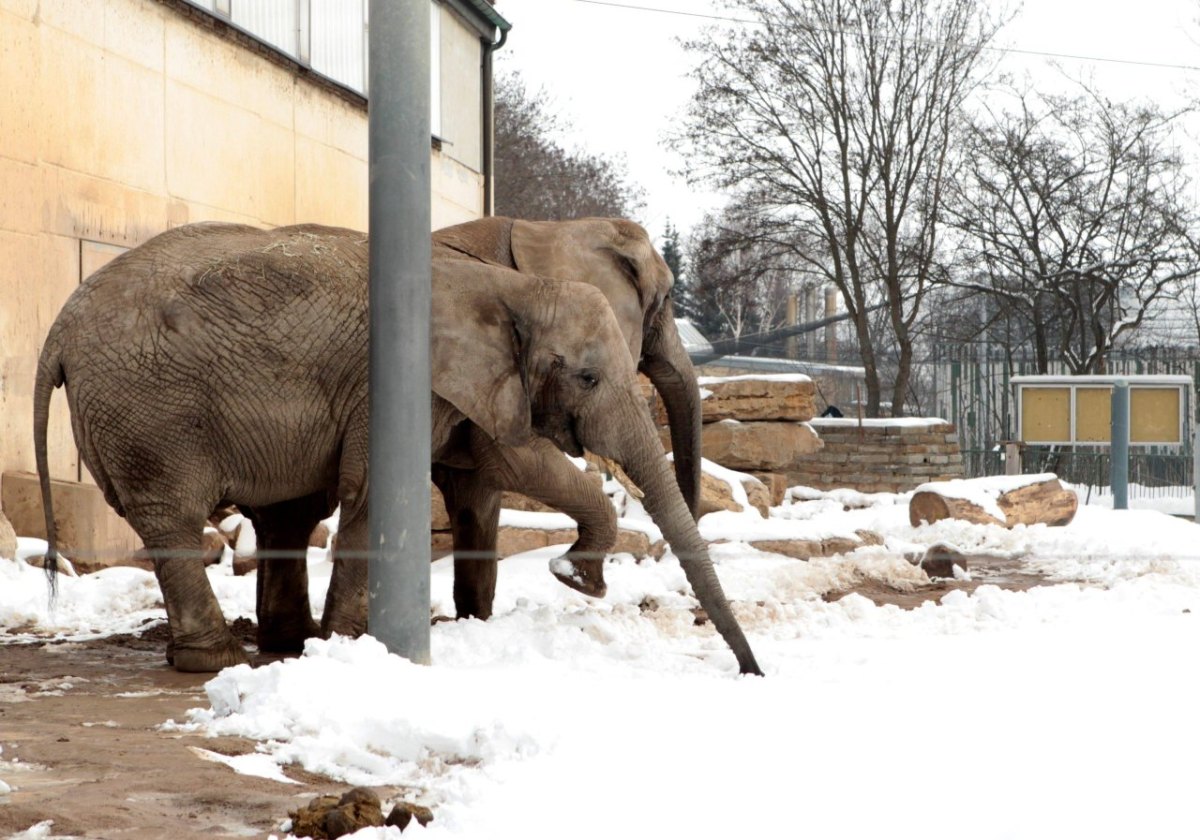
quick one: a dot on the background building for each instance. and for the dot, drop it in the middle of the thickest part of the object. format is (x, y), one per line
(120, 119)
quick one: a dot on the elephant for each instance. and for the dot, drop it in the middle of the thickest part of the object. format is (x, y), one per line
(223, 364)
(615, 256)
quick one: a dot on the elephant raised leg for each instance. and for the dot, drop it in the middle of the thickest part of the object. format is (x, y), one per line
(540, 472)
(284, 616)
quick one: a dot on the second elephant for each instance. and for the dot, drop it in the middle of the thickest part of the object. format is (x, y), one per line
(617, 257)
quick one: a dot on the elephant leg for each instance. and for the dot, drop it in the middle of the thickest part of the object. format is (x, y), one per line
(474, 510)
(284, 616)
(200, 639)
(346, 601)
(539, 471)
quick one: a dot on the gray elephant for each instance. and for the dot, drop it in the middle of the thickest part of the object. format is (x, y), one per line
(615, 256)
(178, 408)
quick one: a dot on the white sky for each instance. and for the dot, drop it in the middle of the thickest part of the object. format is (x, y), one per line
(619, 75)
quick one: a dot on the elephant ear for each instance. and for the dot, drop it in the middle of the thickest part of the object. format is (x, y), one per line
(614, 255)
(476, 347)
(486, 239)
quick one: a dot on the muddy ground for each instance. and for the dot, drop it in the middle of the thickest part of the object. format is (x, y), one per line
(79, 727)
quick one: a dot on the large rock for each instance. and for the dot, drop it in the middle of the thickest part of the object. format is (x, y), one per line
(781, 397)
(717, 494)
(776, 484)
(757, 445)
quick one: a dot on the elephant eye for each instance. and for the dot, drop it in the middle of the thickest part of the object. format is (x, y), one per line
(589, 379)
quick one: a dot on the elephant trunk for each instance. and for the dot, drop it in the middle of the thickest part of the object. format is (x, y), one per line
(642, 456)
(667, 364)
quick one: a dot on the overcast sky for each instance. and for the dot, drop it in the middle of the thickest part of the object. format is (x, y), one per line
(619, 76)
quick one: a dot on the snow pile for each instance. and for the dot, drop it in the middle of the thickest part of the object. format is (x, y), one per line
(1058, 711)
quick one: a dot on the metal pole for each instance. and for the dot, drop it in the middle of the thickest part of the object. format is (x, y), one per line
(1012, 458)
(831, 344)
(793, 318)
(399, 137)
(1196, 468)
(1119, 452)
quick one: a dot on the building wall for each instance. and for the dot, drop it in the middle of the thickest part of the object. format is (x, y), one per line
(123, 118)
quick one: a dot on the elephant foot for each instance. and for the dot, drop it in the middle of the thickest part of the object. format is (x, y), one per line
(286, 637)
(586, 576)
(196, 660)
(343, 627)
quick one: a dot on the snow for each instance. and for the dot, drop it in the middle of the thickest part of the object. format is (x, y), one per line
(878, 422)
(1067, 710)
(767, 377)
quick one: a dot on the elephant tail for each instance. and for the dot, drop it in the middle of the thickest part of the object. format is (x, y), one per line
(49, 376)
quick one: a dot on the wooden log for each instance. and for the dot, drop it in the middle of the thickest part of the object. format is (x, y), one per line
(1043, 501)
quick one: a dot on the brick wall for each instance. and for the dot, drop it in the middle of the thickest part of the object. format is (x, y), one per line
(880, 455)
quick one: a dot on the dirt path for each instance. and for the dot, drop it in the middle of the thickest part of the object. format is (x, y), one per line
(78, 727)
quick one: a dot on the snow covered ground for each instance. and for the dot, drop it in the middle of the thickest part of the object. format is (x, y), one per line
(1068, 710)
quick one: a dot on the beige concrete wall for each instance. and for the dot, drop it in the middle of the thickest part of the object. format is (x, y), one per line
(123, 118)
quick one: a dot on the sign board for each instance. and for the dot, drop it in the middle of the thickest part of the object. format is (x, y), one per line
(1078, 409)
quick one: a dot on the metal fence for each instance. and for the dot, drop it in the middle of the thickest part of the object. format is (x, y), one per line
(1152, 474)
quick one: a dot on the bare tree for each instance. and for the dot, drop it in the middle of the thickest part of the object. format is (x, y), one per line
(1078, 220)
(738, 282)
(838, 115)
(536, 178)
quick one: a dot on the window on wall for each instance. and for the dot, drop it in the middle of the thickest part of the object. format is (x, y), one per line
(330, 36)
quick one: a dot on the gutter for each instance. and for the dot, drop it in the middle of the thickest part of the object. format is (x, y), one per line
(488, 122)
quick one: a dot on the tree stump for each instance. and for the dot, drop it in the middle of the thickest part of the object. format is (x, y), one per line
(1042, 500)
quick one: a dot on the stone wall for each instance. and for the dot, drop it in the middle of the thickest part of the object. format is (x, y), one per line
(885, 455)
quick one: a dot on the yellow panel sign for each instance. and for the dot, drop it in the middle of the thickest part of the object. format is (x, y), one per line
(1093, 415)
(1047, 411)
(1154, 415)
(1046, 415)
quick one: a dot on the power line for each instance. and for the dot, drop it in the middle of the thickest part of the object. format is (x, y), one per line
(1012, 50)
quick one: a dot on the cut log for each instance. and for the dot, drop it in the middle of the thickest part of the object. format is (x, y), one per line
(986, 502)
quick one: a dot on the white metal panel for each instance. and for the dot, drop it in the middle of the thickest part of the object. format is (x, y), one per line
(275, 21)
(339, 41)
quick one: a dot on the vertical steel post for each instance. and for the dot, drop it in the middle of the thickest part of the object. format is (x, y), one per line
(1119, 451)
(831, 342)
(1196, 468)
(793, 318)
(399, 148)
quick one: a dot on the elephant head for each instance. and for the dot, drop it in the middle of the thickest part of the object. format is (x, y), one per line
(521, 355)
(615, 256)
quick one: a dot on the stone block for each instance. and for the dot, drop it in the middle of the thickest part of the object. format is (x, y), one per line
(90, 533)
(716, 494)
(758, 445)
(752, 398)
(776, 484)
